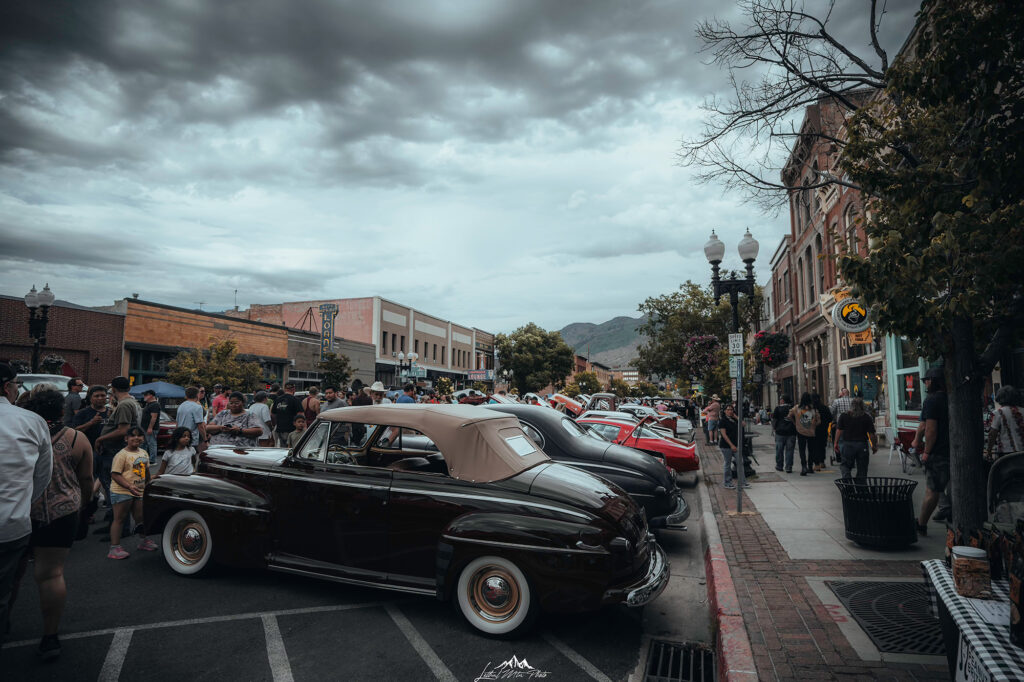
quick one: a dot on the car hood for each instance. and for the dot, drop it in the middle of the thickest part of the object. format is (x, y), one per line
(627, 457)
(584, 491)
(245, 458)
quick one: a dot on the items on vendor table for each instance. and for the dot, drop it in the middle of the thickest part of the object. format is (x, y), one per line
(993, 544)
(970, 572)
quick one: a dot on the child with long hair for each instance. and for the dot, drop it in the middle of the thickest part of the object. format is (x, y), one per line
(178, 457)
(129, 475)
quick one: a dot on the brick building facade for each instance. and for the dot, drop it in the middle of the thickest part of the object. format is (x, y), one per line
(89, 340)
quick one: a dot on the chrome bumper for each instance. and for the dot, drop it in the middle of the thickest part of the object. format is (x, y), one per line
(649, 587)
(673, 518)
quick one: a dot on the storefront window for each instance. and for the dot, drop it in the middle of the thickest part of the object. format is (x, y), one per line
(908, 355)
(910, 391)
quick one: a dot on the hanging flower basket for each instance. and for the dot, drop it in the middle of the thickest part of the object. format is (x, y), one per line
(771, 349)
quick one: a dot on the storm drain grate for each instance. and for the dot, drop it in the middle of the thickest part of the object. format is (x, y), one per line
(895, 615)
(672, 662)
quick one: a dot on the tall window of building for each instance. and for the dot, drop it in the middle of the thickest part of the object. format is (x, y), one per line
(416, 346)
(820, 262)
(799, 283)
(809, 262)
(435, 352)
(394, 343)
(384, 343)
(442, 354)
(402, 347)
(850, 220)
(785, 285)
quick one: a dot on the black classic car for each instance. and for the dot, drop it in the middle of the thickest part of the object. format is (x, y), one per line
(644, 477)
(485, 518)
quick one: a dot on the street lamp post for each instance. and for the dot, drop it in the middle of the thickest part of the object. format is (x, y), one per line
(38, 303)
(714, 250)
(404, 367)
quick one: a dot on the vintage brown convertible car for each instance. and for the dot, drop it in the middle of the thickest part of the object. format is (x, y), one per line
(482, 516)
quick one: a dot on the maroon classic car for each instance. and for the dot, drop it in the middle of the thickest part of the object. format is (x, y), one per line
(456, 502)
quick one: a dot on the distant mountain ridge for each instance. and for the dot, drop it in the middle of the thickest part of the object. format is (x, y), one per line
(613, 343)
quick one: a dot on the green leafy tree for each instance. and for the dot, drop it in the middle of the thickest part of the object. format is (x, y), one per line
(619, 387)
(443, 386)
(684, 330)
(588, 382)
(217, 364)
(643, 388)
(942, 156)
(335, 369)
(535, 356)
(480, 386)
(934, 143)
(571, 389)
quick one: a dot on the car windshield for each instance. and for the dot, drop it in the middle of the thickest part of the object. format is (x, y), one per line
(573, 429)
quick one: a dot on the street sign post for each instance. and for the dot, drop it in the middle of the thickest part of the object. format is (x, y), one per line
(736, 370)
(735, 344)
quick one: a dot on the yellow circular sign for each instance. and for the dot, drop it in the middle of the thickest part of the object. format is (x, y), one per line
(850, 315)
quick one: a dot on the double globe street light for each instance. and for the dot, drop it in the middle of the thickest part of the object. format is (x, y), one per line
(38, 303)
(404, 367)
(714, 250)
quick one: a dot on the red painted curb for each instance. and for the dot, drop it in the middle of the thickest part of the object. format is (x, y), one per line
(734, 653)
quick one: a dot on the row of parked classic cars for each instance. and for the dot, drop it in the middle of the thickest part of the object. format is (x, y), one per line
(503, 509)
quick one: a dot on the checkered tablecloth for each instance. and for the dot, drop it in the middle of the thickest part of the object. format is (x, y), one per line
(985, 651)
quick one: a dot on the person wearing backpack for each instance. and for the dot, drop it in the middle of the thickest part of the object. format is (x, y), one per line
(785, 435)
(806, 419)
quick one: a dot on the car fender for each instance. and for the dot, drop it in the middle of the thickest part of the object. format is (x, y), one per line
(544, 548)
(231, 509)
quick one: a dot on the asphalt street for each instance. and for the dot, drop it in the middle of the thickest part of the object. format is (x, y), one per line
(136, 620)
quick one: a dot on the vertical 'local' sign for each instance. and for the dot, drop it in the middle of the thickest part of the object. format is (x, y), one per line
(327, 313)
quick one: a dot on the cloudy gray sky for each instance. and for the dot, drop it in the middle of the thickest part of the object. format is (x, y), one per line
(489, 162)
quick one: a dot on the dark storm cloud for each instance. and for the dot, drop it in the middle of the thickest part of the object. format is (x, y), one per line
(29, 245)
(412, 71)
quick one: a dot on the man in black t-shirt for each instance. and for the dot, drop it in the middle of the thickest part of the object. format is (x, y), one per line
(89, 420)
(785, 435)
(933, 433)
(150, 422)
(283, 412)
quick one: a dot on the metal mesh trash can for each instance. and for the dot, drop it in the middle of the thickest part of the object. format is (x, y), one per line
(879, 512)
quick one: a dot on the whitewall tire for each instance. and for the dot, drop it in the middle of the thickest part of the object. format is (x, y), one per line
(187, 542)
(494, 595)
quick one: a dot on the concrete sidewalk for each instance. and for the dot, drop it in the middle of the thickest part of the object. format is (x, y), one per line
(780, 551)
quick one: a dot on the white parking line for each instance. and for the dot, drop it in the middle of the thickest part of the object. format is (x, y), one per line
(587, 667)
(112, 664)
(432, 660)
(200, 621)
(280, 668)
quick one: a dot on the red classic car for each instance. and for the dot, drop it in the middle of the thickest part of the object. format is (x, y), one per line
(679, 456)
(456, 502)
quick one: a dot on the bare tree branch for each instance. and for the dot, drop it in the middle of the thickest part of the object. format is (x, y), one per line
(793, 61)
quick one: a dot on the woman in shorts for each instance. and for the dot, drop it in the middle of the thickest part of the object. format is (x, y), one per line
(55, 513)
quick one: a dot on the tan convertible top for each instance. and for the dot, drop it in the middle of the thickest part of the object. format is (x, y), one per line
(478, 444)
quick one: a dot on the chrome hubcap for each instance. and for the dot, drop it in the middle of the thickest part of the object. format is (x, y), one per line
(189, 543)
(494, 594)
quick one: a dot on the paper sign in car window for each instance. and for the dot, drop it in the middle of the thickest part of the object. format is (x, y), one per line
(521, 445)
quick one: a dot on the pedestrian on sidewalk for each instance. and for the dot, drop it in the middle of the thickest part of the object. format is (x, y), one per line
(820, 442)
(728, 437)
(220, 401)
(56, 515)
(785, 435)
(806, 419)
(125, 415)
(855, 433)
(235, 427)
(933, 436)
(179, 455)
(713, 412)
(283, 412)
(1007, 432)
(73, 400)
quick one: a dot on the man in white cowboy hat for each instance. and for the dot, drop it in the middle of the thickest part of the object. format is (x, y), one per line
(377, 392)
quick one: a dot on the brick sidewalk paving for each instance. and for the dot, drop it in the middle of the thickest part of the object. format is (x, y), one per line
(792, 634)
